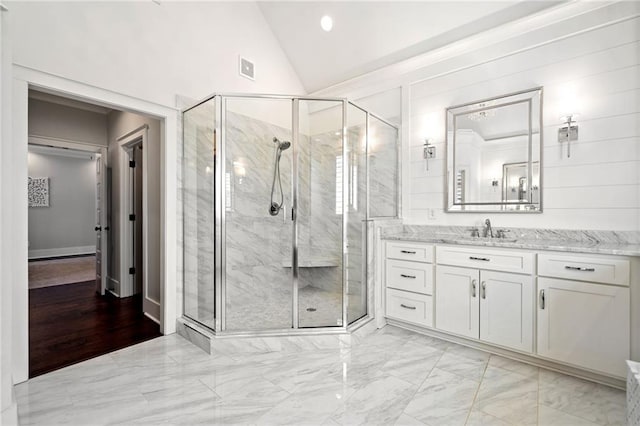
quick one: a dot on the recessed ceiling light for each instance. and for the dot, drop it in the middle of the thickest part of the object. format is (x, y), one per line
(326, 23)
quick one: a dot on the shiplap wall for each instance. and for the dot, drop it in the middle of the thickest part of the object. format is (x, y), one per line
(596, 74)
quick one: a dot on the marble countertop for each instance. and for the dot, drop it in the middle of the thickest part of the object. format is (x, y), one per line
(529, 244)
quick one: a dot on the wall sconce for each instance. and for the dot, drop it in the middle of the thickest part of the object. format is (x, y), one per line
(429, 151)
(569, 131)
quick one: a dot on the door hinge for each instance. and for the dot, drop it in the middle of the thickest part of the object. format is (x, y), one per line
(132, 163)
(132, 271)
(132, 217)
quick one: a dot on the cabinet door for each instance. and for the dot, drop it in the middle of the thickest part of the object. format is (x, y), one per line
(584, 324)
(506, 310)
(457, 307)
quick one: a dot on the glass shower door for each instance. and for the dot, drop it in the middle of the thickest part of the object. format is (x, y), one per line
(356, 213)
(198, 194)
(257, 177)
(320, 166)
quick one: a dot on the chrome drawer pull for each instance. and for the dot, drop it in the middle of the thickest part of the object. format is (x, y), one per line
(473, 288)
(407, 276)
(407, 252)
(484, 290)
(484, 259)
(408, 307)
(578, 268)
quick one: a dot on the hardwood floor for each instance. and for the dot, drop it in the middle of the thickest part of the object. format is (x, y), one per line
(71, 323)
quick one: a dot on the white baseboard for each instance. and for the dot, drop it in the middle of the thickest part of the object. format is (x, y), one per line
(156, 320)
(113, 286)
(151, 309)
(62, 251)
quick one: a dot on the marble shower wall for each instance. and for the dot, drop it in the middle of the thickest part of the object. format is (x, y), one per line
(383, 169)
(259, 246)
(258, 280)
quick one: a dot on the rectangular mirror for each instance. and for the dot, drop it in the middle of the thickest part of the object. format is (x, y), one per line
(494, 153)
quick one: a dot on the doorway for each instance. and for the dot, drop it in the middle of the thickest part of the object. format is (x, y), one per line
(79, 315)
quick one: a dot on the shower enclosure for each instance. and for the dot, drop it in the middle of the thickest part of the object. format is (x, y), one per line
(278, 193)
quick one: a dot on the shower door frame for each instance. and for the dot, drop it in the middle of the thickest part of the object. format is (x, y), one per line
(220, 220)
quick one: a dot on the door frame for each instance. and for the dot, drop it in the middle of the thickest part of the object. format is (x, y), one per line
(14, 198)
(126, 143)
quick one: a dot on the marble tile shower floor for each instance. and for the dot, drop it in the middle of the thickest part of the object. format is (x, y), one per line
(390, 377)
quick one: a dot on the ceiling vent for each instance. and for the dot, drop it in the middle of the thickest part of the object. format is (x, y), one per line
(247, 68)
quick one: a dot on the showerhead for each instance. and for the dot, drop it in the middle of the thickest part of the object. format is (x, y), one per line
(282, 145)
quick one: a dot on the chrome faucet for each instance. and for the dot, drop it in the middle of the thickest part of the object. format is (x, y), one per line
(487, 231)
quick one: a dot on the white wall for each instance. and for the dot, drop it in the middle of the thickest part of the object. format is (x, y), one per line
(66, 226)
(586, 55)
(597, 74)
(8, 409)
(151, 51)
(50, 120)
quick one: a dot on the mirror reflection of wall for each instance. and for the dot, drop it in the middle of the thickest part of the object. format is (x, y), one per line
(515, 187)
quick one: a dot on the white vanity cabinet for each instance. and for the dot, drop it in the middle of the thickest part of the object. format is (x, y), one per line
(493, 306)
(554, 308)
(586, 324)
(409, 282)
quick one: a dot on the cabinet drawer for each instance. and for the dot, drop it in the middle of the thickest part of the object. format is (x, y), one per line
(410, 251)
(492, 259)
(410, 307)
(410, 276)
(597, 269)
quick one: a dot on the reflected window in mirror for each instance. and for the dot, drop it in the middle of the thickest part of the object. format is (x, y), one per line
(494, 154)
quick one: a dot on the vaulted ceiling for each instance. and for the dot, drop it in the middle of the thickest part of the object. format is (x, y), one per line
(370, 35)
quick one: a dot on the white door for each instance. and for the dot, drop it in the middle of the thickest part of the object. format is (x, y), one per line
(457, 307)
(506, 310)
(584, 324)
(102, 226)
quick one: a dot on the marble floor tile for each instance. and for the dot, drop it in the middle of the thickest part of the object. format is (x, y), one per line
(508, 396)
(433, 342)
(551, 417)
(380, 402)
(443, 399)
(470, 353)
(472, 369)
(515, 366)
(317, 400)
(406, 420)
(478, 418)
(414, 364)
(301, 370)
(390, 376)
(580, 398)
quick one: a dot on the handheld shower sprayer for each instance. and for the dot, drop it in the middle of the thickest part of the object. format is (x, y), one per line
(275, 207)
